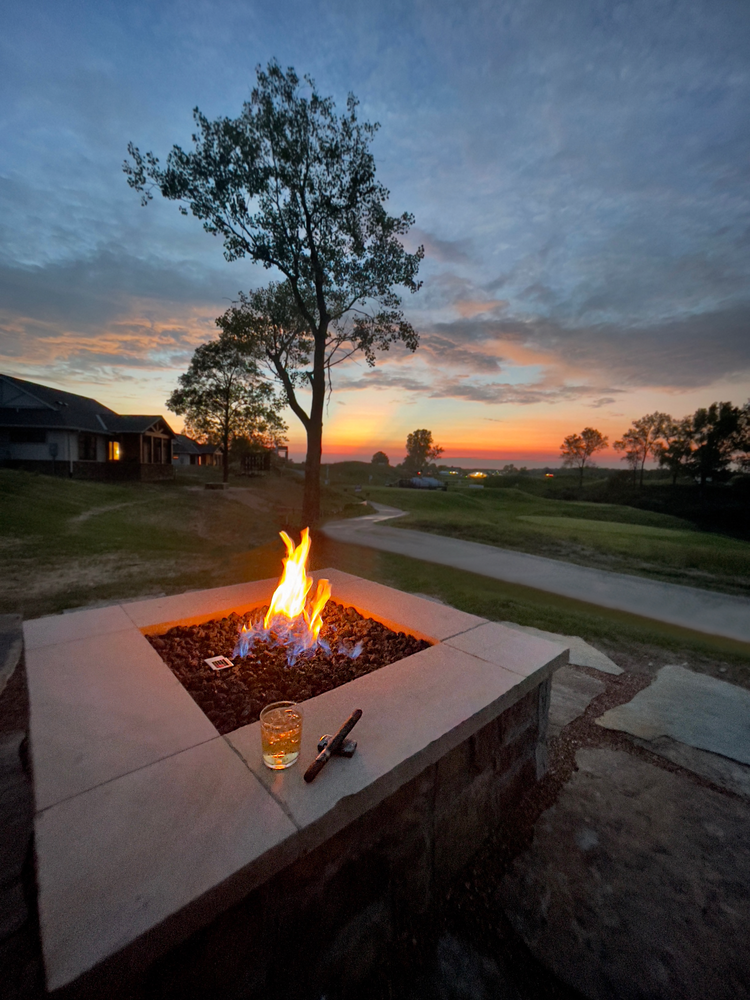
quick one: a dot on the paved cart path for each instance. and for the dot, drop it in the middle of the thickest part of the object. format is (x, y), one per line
(703, 610)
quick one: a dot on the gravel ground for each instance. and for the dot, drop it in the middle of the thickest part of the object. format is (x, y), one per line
(234, 697)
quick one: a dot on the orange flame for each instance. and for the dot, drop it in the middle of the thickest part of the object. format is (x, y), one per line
(290, 597)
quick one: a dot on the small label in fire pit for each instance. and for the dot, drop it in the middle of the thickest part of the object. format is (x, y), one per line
(219, 663)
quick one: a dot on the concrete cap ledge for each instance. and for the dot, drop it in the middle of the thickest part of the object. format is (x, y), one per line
(413, 713)
(119, 860)
(397, 610)
(55, 629)
(150, 825)
(521, 654)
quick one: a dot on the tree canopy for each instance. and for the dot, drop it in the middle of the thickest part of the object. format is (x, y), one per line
(715, 434)
(646, 438)
(420, 449)
(380, 458)
(222, 398)
(577, 449)
(291, 185)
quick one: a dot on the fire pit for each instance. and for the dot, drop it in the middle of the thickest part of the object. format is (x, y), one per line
(326, 644)
(152, 829)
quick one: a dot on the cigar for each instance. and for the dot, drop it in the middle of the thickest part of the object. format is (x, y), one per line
(322, 759)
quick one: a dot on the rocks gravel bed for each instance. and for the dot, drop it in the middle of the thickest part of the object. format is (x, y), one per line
(234, 697)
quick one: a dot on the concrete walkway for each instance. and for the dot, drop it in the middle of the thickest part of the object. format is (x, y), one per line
(703, 610)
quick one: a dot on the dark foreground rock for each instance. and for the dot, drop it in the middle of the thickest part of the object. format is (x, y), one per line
(636, 885)
(21, 976)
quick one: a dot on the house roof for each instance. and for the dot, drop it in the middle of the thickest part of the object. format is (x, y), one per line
(28, 404)
(134, 424)
(187, 446)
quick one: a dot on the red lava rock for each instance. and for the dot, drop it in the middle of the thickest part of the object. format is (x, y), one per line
(234, 698)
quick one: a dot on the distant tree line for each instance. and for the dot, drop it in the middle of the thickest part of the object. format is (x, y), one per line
(704, 446)
(421, 450)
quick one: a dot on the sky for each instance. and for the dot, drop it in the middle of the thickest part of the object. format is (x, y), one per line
(579, 174)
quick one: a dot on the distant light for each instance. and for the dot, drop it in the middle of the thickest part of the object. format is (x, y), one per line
(549, 475)
(477, 475)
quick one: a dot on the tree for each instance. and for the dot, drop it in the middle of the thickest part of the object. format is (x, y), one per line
(291, 185)
(222, 399)
(420, 450)
(677, 447)
(715, 431)
(577, 449)
(380, 458)
(743, 439)
(644, 440)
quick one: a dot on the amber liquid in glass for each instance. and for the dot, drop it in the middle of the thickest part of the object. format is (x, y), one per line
(280, 734)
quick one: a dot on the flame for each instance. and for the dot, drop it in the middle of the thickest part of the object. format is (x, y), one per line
(291, 619)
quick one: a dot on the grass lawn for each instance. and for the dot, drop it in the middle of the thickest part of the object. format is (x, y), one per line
(623, 636)
(68, 543)
(606, 536)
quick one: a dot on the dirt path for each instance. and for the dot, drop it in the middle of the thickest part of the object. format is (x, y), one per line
(80, 518)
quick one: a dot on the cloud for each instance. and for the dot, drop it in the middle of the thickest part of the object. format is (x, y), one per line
(446, 251)
(683, 352)
(88, 292)
(469, 308)
(380, 378)
(444, 353)
(504, 392)
(586, 163)
(433, 385)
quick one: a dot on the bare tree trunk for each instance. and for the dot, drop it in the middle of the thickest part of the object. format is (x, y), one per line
(225, 436)
(225, 459)
(311, 498)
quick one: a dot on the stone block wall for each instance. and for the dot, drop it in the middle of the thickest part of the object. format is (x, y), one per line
(323, 923)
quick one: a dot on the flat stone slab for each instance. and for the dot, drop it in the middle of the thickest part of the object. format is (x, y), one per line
(691, 708)
(582, 653)
(572, 692)
(718, 770)
(120, 859)
(103, 706)
(635, 885)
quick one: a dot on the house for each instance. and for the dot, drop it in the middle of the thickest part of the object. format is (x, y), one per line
(186, 451)
(48, 430)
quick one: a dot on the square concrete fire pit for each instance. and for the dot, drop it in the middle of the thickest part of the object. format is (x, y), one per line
(153, 830)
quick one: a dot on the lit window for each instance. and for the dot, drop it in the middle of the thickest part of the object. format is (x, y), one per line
(114, 451)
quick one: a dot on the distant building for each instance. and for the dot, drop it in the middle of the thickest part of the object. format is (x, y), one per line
(186, 451)
(48, 430)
